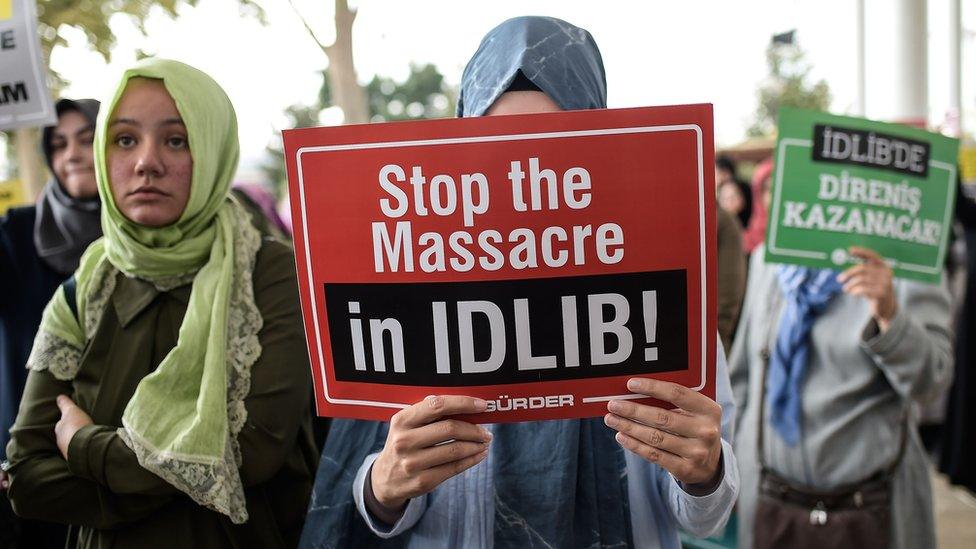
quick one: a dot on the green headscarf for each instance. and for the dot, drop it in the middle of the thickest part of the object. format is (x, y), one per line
(183, 420)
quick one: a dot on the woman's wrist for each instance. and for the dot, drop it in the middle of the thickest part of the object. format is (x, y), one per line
(388, 514)
(709, 486)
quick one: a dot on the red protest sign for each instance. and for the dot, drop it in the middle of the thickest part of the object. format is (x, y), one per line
(536, 261)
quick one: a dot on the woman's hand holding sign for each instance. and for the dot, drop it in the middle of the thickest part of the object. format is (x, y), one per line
(686, 441)
(423, 449)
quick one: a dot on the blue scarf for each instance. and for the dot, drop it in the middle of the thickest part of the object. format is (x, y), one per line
(807, 292)
(557, 483)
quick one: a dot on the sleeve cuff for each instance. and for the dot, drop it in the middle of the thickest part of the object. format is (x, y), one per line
(78, 459)
(411, 513)
(721, 498)
(884, 343)
(703, 489)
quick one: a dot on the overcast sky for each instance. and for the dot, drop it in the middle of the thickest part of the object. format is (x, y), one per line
(656, 52)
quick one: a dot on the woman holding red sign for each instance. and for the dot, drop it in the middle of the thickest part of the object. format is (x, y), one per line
(631, 478)
(167, 400)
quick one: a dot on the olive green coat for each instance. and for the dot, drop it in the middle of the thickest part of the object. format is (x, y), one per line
(101, 490)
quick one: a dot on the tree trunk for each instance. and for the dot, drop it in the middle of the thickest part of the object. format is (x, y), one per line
(346, 91)
(30, 165)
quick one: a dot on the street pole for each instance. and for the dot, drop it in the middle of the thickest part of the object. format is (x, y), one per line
(860, 102)
(955, 65)
(911, 62)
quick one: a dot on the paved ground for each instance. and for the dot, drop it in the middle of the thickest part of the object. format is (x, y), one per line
(955, 515)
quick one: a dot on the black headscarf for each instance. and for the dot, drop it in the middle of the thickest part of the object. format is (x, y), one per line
(65, 225)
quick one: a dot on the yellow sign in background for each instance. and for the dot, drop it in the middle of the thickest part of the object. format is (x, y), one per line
(967, 163)
(11, 193)
(6, 9)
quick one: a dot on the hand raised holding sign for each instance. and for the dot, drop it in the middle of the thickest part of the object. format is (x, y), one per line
(423, 449)
(687, 441)
(872, 280)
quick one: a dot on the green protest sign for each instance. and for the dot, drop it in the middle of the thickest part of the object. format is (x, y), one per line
(841, 181)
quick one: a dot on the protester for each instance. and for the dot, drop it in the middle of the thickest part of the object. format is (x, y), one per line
(755, 233)
(166, 404)
(731, 275)
(738, 193)
(731, 200)
(261, 204)
(826, 369)
(39, 248)
(284, 213)
(425, 480)
(958, 448)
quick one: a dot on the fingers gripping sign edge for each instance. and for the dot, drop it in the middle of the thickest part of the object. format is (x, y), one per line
(435, 407)
(412, 461)
(677, 394)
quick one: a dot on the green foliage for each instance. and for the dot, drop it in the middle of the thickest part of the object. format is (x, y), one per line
(299, 116)
(422, 95)
(92, 17)
(325, 92)
(788, 85)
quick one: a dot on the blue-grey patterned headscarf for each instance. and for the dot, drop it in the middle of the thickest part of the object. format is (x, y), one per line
(559, 58)
(556, 483)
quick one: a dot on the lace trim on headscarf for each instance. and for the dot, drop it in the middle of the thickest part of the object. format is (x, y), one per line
(61, 357)
(244, 322)
(217, 485)
(101, 292)
(54, 354)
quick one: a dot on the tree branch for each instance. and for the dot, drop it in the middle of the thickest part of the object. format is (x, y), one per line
(323, 47)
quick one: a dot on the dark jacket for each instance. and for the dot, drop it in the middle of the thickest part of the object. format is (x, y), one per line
(958, 445)
(101, 490)
(27, 285)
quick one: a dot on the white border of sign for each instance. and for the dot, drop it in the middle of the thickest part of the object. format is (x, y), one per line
(774, 220)
(494, 139)
(29, 15)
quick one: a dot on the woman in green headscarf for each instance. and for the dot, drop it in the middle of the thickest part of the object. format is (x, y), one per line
(167, 403)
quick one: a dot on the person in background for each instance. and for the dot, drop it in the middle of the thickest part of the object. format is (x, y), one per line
(631, 478)
(40, 246)
(727, 182)
(755, 233)
(958, 448)
(167, 400)
(826, 369)
(261, 204)
(731, 200)
(731, 271)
